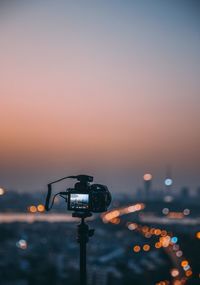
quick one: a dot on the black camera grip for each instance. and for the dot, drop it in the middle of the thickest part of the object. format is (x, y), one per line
(48, 197)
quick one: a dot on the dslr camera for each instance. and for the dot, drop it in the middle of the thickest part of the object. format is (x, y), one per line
(84, 197)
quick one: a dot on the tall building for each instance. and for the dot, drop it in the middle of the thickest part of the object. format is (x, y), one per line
(147, 185)
(185, 193)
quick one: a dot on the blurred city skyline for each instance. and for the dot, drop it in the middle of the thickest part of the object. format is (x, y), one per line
(108, 88)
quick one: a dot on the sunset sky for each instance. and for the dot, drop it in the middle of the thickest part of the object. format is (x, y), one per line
(106, 88)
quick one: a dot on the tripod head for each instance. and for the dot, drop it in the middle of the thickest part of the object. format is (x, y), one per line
(81, 215)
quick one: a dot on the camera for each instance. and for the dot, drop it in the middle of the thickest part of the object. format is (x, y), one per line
(84, 197)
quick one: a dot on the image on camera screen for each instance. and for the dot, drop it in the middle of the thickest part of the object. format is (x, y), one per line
(79, 201)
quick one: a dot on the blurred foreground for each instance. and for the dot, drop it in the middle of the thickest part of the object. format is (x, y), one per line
(148, 243)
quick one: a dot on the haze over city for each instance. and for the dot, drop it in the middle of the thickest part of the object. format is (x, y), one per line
(107, 88)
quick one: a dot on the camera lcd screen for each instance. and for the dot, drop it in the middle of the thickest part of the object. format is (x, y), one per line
(79, 201)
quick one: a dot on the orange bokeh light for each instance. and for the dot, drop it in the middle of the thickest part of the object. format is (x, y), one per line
(136, 248)
(188, 273)
(146, 247)
(40, 208)
(157, 232)
(158, 245)
(147, 177)
(32, 209)
(198, 235)
(184, 263)
(163, 233)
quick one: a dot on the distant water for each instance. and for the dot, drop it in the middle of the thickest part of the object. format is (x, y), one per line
(31, 218)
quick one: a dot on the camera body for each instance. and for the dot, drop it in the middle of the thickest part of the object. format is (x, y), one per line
(88, 198)
(84, 198)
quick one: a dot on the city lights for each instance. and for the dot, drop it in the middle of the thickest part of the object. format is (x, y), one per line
(198, 235)
(157, 232)
(152, 231)
(175, 247)
(175, 215)
(184, 263)
(163, 233)
(186, 212)
(174, 272)
(145, 229)
(22, 244)
(186, 268)
(165, 211)
(115, 221)
(40, 208)
(132, 226)
(146, 247)
(188, 273)
(110, 215)
(168, 182)
(148, 235)
(136, 248)
(147, 177)
(179, 253)
(2, 191)
(158, 245)
(165, 241)
(174, 239)
(32, 209)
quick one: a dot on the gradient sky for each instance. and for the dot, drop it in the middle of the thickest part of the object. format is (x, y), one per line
(108, 88)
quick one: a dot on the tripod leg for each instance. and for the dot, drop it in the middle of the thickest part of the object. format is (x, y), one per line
(83, 235)
(83, 272)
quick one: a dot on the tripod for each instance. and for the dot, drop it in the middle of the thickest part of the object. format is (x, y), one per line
(84, 233)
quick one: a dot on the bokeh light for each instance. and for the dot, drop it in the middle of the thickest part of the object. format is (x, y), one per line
(132, 226)
(40, 208)
(2, 191)
(179, 253)
(174, 239)
(32, 209)
(22, 244)
(188, 273)
(186, 212)
(165, 211)
(198, 235)
(146, 247)
(147, 177)
(184, 263)
(174, 272)
(136, 248)
(168, 182)
(158, 245)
